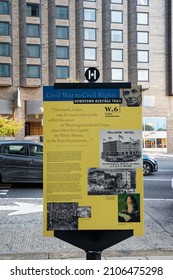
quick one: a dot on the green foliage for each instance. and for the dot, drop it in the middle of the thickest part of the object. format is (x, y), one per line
(9, 126)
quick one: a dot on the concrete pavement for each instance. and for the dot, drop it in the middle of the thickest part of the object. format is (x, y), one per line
(26, 241)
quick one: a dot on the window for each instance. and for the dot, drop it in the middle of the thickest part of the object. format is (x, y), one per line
(13, 149)
(4, 7)
(33, 71)
(33, 30)
(117, 74)
(90, 0)
(143, 56)
(149, 124)
(155, 134)
(90, 53)
(143, 75)
(62, 32)
(161, 124)
(32, 10)
(142, 37)
(35, 151)
(4, 28)
(62, 72)
(4, 70)
(142, 2)
(117, 55)
(33, 51)
(154, 124)
(90, 34)
(62, 12)
(90, 14)
(117, 36)
(4, 49)
(142, 18)
(117, 1)
(62, 52)
(116, 16)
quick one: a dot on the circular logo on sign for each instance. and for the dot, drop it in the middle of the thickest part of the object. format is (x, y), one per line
(92, 74)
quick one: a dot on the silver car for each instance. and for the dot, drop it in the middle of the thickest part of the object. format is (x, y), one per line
(21, 161)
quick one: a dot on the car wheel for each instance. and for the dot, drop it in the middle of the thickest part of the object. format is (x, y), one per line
(146, 168)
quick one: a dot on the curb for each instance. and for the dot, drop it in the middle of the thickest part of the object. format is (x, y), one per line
(107, 255)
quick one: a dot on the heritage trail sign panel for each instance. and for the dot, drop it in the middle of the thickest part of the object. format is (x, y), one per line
(93, 167)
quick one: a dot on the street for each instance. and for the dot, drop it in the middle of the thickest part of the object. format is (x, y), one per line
(21, 220)
(159, 185)
(156, 186)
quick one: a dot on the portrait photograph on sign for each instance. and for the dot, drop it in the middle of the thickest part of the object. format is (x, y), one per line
(132, 97)
(129, 207)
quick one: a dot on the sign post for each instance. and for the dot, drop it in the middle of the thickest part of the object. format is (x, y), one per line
(93, 168)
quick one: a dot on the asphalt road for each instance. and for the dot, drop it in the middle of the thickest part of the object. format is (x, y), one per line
(159, 185)
(156, 186)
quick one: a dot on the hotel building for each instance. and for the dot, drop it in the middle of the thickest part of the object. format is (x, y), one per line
(45, 42)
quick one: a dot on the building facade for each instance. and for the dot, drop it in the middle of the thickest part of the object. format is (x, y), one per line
(45, 42)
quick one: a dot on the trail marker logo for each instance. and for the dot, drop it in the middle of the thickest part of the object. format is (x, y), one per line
(111, 111)
(92, 74)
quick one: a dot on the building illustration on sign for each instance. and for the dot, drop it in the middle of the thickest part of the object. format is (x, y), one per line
(111, 182)
(121, 147)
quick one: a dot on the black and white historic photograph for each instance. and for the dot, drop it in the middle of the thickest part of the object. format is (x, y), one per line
(84, 212)
(132, 97)
(62, 216)
(120, 148)
(111, 182)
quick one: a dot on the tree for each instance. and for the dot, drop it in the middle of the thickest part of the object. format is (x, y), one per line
(9, 126)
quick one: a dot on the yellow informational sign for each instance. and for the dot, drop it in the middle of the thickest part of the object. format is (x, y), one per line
(93, 166)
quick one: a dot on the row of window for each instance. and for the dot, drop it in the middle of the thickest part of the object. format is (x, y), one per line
(34, 71)
(62, 32)
(62, 52)
(62, 72)
(143, 38)
(33, 10)
(62, 12)
(139, 2)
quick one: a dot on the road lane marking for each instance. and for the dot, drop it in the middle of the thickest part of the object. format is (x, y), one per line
(24, 198)
(3, 192)
(148, 179)
(22, 208)
(165, 170)
(160, 199)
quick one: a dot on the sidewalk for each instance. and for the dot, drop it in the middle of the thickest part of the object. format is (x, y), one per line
(26, 241)
(158, 154)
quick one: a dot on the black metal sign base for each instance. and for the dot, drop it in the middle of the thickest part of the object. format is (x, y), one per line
(93, 242)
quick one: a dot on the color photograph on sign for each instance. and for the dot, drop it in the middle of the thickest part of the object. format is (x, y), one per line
(93, 168)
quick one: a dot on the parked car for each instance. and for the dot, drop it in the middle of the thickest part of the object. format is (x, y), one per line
(21, 161)
(149, 165)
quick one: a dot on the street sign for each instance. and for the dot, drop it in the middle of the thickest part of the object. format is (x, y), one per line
(92, 74)
(93, 167)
